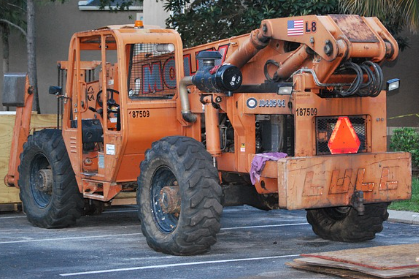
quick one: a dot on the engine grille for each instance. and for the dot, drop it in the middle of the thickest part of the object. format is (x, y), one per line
(324, 130)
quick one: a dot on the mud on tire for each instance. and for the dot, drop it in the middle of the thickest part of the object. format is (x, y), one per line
(56, 204)
(344, 224)
(184, 162)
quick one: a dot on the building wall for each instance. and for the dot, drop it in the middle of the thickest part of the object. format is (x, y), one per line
(154, 13)
(401, 106)
(57, 22)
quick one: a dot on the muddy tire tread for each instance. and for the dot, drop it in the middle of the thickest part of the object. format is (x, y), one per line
(66, 203)
(201, 207)
(352, 228)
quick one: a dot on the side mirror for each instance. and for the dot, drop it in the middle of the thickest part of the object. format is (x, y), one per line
(392, 86)
(55, 90)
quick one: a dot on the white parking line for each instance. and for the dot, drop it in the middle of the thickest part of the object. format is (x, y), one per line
(104, 212)
(131, 234)
(67, 238)
(265, 226)
(12, 217)
(174, 265)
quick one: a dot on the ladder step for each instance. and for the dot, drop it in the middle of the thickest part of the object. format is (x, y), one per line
(94, 196)
(89, 173)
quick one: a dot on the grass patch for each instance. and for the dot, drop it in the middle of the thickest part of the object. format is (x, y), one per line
(413, 203)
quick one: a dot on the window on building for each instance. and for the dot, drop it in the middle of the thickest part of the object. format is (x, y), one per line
(96, 5)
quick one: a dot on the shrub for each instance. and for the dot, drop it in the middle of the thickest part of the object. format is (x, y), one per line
(406, 139)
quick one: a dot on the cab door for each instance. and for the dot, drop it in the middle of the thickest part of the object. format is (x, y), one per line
(151, 104)
(91, 125)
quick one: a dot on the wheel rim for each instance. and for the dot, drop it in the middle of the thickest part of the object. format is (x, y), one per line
(162, 177)
(41, 193)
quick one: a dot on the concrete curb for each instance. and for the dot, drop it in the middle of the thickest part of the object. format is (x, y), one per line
(407, 217)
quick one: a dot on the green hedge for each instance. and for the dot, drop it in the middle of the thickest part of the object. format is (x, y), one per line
(406, 139)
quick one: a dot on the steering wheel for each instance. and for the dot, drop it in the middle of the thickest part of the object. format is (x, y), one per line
(112, 106)
(99, 97)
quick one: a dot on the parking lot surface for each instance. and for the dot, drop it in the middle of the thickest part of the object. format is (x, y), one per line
(251, 244)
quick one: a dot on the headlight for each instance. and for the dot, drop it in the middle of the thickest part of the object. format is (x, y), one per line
(393, 84)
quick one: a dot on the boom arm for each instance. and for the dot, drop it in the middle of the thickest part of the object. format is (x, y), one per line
(319, 45)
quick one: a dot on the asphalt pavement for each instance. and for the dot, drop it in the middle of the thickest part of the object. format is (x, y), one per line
(251, 244)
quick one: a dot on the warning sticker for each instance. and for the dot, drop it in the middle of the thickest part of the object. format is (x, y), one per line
(110, 149)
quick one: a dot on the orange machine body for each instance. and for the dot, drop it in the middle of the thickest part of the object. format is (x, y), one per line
(141, 73)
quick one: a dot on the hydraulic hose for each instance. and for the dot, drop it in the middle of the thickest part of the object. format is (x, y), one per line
(371, 88)
(377, 83)
(356, 84)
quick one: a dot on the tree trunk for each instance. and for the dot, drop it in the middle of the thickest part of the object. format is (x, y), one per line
(5, 32)
(31, 49)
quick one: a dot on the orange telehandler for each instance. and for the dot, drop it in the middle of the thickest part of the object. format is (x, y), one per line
(295, 108)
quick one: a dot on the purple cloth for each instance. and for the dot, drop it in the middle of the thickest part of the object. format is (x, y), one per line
(258, 163)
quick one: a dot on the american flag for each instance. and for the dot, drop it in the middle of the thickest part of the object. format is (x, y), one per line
(295, 27)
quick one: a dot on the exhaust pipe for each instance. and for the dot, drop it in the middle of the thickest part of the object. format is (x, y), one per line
(187, 115)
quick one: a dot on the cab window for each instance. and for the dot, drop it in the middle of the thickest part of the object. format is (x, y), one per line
(152, 71)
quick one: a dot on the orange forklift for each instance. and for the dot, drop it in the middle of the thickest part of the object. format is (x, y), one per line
(290, 116)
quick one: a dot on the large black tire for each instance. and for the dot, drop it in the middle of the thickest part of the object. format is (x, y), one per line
(344, 224)
(48, 205)
(185, 162)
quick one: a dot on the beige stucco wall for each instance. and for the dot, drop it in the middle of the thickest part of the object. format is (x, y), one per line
(154, 13)
(55, 24)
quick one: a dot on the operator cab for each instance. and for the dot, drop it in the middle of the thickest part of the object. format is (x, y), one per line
(93, 93)
(119, 80)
